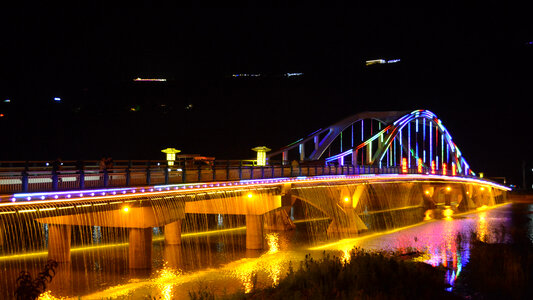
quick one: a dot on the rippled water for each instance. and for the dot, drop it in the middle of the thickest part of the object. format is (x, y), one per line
(219, 261)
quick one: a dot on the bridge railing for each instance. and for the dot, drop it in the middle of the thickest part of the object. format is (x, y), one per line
(42, 176)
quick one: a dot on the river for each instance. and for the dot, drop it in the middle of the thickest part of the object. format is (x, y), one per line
(218, 260)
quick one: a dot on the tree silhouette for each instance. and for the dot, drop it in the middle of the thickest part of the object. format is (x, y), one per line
(28, 288)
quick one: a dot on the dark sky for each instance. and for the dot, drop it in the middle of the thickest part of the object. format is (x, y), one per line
(471, 67)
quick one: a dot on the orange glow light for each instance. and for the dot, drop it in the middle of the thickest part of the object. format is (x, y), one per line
(454, 169)
(447, 213)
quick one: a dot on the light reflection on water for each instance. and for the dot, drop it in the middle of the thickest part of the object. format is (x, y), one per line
(221, 264)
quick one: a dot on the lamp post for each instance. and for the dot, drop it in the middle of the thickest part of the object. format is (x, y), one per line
(261, 155)
(171, 155)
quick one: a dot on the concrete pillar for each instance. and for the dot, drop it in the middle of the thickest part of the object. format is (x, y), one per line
(172, 233)
(2, 230)
(278, 220)
(173, 256)
(59, 242)
(62, 280)
(346, 224)
(140, 248)
(254, 231)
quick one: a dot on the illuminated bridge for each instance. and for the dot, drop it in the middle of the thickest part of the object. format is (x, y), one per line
(372, 163)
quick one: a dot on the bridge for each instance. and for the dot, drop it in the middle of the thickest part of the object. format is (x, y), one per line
(368, 164)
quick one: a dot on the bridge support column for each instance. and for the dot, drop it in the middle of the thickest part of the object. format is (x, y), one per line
(1, 234)
(466, 203)
(348, 224)
(172, 233)
(347, 221)
(140, 248)
(59, 242)
(254, 232)
(279, 220)
(173, 256)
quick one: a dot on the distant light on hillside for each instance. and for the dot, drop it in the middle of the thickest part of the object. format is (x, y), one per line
(245, 75)
(138, 79)
(375, 62)
(293, 74)
(381, 61)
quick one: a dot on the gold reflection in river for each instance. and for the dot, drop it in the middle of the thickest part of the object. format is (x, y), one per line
(273, 242)
(482, 226)
(165, 280)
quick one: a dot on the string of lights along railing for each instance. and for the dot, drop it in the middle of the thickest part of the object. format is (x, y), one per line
(36, 181)
(74, 195)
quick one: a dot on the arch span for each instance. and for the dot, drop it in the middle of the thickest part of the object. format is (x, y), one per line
(404, 139)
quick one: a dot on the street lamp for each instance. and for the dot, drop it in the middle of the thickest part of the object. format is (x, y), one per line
(171, 155)
(261, 155)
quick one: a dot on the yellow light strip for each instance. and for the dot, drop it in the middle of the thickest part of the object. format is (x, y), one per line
(66, 207)
(47, 209)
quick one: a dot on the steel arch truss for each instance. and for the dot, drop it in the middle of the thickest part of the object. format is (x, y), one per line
(415, 140)
(316, 144)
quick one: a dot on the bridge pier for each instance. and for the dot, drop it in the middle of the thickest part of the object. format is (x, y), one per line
(173, 256)
(172, 232)
(140, 248)
(347, 221)
(348, 224)
(279, 220)
(2, 234)
(254, 232)
(59, 242)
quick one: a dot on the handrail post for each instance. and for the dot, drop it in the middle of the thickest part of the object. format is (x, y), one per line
(128, 173)
(82, 178)
(25, 180)
(106, 178)
(55, 179)
(199, 173)
(148, 173)
(80, 165)
(128, 176)
(214, 171)
(166, 174)
(240, 170)
(227, 170)
(291, 171)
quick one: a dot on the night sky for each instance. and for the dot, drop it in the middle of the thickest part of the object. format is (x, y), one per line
(471, 67)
